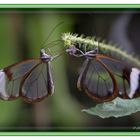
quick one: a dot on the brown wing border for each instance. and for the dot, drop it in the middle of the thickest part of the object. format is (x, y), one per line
(85, 67)
(22, 83)
(9, 75)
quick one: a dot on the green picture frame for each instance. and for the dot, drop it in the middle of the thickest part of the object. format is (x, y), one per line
(132, 132)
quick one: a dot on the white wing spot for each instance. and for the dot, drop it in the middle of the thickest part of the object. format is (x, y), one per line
(3, 93)
(134, 81)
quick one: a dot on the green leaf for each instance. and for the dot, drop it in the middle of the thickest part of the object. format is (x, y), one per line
(115, 108)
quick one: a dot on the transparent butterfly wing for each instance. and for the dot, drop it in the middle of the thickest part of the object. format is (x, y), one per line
(122, 72)
(38, 84)
(119, 70)
(97, 81)
(10, 78)
(103, 78)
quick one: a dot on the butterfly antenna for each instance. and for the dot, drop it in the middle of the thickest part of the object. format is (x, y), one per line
(52, 31)
(51, 47)
(52, 43)
(58, 55)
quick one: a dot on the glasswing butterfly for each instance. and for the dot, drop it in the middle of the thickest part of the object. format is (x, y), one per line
(103, 77)
(30, 79)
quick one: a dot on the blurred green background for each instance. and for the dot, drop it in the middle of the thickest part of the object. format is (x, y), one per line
(22, 32)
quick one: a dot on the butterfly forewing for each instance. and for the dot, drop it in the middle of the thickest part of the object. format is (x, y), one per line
(119, 70)
(122, 72)
(97, 81)
(37, 84)
(10, 78)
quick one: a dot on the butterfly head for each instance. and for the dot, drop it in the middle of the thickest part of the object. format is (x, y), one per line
(44, 56)
(75, 52)
(79, 53)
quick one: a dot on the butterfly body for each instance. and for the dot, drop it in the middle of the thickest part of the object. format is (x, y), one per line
(45, 57)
